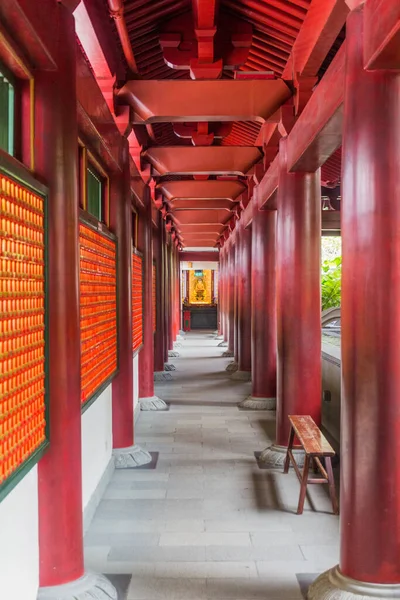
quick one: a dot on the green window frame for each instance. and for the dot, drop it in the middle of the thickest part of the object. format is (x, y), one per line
(95, 193)
(7, 112)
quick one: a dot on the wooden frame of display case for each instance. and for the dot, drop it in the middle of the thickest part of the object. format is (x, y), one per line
(89, 221)
(14, 171)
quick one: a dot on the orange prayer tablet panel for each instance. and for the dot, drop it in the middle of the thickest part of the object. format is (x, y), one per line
(154, 298)
(137, 301)
(98, 294)
(22, 326)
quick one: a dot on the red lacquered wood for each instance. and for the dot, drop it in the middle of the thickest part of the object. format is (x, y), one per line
(122, 385)
(60, 471)
(244, 300)
(298, 297)
(146, 355)
(263, 304)
(370, 490)
(159, 334)
(231, 296)
(235, 269)
(170, 296)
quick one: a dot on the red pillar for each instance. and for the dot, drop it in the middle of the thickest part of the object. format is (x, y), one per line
(126, 454)
(159, 334)
(222, 293)
(263, 312)
(220, 308)
(244, 304)
(236, 242)
(298, 302)
(60, 470)
(167, 299)
(231, 297)
(170, 295)
(370, 441)
(147, 398)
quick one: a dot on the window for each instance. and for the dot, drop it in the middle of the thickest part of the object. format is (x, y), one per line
(94, 194)
(7, 108)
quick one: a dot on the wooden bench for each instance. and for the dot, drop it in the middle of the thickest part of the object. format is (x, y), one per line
(315, 447)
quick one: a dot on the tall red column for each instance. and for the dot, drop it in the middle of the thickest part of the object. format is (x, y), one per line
(223, 296)
(148, 400)
(221, 313)
(263, 312)
(159, 334)
(244, 304)
(171, 290)
(60, 470)
(126, 454)
(231, 298)
(167, 299)
(298, 303)
(370, 441)
(236, 255)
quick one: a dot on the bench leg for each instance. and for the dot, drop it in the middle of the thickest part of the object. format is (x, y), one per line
(331, 482)
(303, 487)
(290, 446)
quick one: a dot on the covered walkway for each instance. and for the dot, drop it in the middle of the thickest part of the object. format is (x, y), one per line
(207, 522)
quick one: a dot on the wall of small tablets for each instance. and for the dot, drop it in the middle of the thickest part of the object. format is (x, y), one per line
(22, 326)
(98, 299)
(137, 301)
(154, 297)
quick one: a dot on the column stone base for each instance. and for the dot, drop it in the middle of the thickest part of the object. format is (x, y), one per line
(228, 354)
(169, 367)
(254, 403)
(131, 457)
(162, 376)
(173, 354)
(333, 585)
(241, 376)
(232, 367)
(152, 403)
(91, 585)
(222, 344)
(274, 457)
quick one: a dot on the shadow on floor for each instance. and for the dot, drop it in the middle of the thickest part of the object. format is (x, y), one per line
(305, 580)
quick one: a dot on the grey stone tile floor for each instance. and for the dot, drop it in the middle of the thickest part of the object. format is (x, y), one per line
(207, 523)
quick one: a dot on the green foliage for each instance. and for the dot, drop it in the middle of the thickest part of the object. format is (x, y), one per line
(331, 282)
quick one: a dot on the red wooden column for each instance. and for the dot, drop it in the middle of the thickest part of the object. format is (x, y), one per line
(231, 297)
(370, 440)
(298, 303)
(160, 270)
(221, 311)
(62, 571)
(243, 372)
(263, 312)
(236, 254)
(222, 286)
(148, 400)
(126, 453)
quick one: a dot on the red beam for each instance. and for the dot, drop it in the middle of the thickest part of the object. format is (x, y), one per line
(318, 132)
(320, 28)
(197, 160)
(216, 100)
(266, 190)
(193, 256)
(382, 34)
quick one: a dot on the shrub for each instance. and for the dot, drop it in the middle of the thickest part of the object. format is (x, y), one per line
(331, 282)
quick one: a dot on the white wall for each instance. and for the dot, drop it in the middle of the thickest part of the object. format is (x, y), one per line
(19, 541)
(135, 383)
(96, 443)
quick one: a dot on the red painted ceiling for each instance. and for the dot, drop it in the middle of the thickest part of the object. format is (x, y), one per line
(275, 27)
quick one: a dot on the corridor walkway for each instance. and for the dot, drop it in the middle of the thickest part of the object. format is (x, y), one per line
(207, 523)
